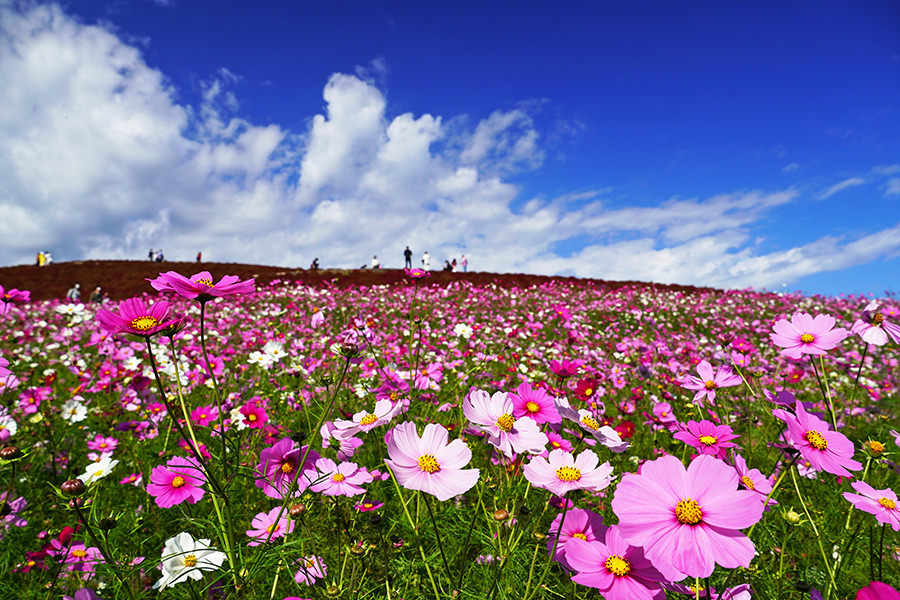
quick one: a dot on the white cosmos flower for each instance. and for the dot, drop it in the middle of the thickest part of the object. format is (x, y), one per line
(185, 558)
(98, 470)
(463, 330)
(74, 411)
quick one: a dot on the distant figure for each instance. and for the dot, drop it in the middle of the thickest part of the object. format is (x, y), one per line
(74, 293)
(314, 266)
(447, 266)
(375, 263)
(200, 256)
(48, 258)
(453, 264)
(407, 258)
(96, 296)
(426, 261)
(39, 261)
(464, 262)
(160, 256)
(151, 255)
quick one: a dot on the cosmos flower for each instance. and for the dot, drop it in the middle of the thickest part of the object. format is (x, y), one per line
(13, 295)
(604, 434)
(430, 464)
(562, 472)
(687, 520)
(707, 437)
(881, 503)
(98, 470)
(825, 450)
(266, 526)
(180, 480)
(136, 318)
(333, 479)
(185, 558)
(753, 479)
(877, 590)
(709, 381)
(873, 328)
(579, 524)
(494, 416)
(200, 286)
(312, 568)
(416, 273)
(279, 468)
(534, 403)
(383, 413)
(804, 334)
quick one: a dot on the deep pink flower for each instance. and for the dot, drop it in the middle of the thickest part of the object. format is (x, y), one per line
(804, 334)
(255, 416)
(617, 569)
(562, 472)
(707, 437)
(881, 503)
(136, 318)
(578, 524)
(687, 520)
(429, 463)
(877, 590)
(178, 481)
(333, 479)
(565, 368)
(709, 381)
(312, 568)
(266, 523)
(14, 295)
(494, 416)
(825, 450)
(279, 468)
(200, 287)
(873, 328)
(416, 273)
(534, 403)
(204, 415)
(103, 444)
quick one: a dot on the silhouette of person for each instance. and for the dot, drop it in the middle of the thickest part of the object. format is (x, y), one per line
(407, 258)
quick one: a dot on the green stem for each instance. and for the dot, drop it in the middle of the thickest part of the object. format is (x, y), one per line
(828, 567)
(437, 533)
(823, 388)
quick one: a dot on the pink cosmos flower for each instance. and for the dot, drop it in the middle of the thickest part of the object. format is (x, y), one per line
(707, 437)
(562, 472)
(279, 468)
(534, 403)
(365, 421)
(178, 481)
(565, 368)
(753, 479)
(83, 559)
(255, 416)
(333, 479)
(825, 450)
(336, 438)
(877, 590)
(14, 295)
(804, 334)
(604, 434)
(416, 273)
(367, 505)
(3, 370)
(136, 318)
(429, 463)
(200, 287)
(579, 524)
(709, 381)
(558, 441)
(134, 479)
(312, 568)
(103, 444)
(687, 520)
(881, 503)
(494, 416)
(204, 416)
(873, 328)
(266, 523)
(617, 569)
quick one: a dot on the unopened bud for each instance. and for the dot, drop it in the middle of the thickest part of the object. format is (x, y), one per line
(10, 453)
(108, 523)
(72, 487)
(792, 516)
(501, 515)
(76, 503)
(296, 510)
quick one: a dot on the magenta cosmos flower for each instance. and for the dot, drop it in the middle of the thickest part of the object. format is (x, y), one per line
(266, 526)
(804, 334)
(825, 450)
(877, 590)
(279, 468)
(429, 463)
(707, 437)
(881, 503)
(200, 287)
(687, 520)
(873, 328)
(579, 524)
(14, 295)
(709, 381)
(178, 481)
(534, 403)
(494, 416)
(562, 472)
(617, 569)
(136, 318)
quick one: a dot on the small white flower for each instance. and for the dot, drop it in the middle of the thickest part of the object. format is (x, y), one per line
(7, 423)
(185, 558)
(74, 411)
(463, 330)
(237, 419)
(98, 470)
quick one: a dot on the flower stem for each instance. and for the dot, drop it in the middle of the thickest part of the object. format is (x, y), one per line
(828, 567)
(437, 534)
(824, 392)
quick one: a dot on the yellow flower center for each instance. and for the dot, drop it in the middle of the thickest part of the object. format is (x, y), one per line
(816, 440)
(807, 338)
(144, 323)
(251, 417)
(748, 483)
(338, 477)
(533, 407)
(707, 440)
(204, 281)
(588, 391)
(887, 503)
(273, 527)
(568, 474)
(710, 385)
(287, 467)
(590, 423)
(878, 319)
(506, 422)
(428, 463)
(580, 536)
(367, 419)
(688, 511)
(178, 481)
(618, 566)
(190, 561)
(79, 553)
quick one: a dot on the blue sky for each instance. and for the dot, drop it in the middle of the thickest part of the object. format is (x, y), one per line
(725, 144)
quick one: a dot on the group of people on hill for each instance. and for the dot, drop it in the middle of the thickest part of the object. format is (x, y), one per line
(43, 259)
(450, 265)
(156, 255)
(96, 297)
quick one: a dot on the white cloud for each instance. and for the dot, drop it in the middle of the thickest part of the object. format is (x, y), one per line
(893, 187)
(98, 159)
(790, 168)
(843, 185)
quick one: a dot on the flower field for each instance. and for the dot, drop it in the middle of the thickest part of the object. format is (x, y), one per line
(217, 437)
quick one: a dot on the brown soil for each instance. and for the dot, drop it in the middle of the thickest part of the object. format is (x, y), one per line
(122, 279)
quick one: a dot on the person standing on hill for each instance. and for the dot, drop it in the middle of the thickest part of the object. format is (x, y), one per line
(200, 256)
(74, 293)
(407, 258)
(375, 263)
(464, 263)
(426, 261)
(96, 296)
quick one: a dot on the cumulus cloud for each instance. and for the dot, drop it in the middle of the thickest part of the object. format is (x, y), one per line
(98, 159)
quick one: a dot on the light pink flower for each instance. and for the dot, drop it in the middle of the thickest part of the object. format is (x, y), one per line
(619, 570)
(266, 523)
(804, 334)
(562, 472)
(873, 328)
(709, 381)
(312, 568)
(494, 416)
(333, 479)
(826, 450)
(429, 463)
(687, 520)
(881, 503)
(383, 413)
(707, 437)
(178, 481)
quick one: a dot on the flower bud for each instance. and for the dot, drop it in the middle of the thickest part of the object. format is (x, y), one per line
(501, 515)
(792, 516)
(76, 503)
(108, 523)
(332, 591)
(296, 510)
(72, 487)
(872, 447)
(10, 453)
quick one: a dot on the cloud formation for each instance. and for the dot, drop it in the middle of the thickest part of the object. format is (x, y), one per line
(98, 159)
